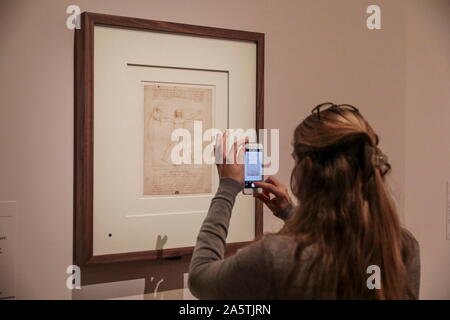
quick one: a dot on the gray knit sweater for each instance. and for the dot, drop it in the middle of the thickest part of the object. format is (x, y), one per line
(260, 270)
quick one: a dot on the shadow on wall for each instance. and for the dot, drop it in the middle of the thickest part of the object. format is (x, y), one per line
(122, 279)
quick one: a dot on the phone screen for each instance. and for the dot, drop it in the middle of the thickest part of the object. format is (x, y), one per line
(253, 169)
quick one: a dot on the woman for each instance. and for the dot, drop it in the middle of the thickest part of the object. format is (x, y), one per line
(344, 223)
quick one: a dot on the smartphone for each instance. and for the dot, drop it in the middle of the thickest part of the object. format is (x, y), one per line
(253, 167)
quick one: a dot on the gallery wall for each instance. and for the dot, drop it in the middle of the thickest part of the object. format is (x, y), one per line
(316, 51)
(428, 140)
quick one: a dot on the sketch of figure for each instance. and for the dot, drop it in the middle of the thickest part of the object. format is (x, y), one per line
(166, 108)
(180, 121)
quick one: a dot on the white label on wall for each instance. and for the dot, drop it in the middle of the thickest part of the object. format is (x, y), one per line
(7, 233)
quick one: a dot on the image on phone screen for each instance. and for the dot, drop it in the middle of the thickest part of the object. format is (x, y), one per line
(252, 167)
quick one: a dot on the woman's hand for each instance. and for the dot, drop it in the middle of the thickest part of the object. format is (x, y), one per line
(234, 170)
(272, 186)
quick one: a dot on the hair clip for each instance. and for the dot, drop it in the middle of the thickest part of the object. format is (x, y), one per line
(380, 161)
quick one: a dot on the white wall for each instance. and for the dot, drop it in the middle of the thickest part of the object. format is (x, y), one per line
(36, 138)
(428, 139)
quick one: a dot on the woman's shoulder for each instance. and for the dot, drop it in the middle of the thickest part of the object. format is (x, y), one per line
(411, 258)
(276, 242)
(280, 249)
(271, 253)
(280, 257)
(409, 242)
(273, 248)
(410, 250)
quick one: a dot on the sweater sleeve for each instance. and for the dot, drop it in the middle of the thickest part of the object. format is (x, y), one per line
(239, 276)
(413, 269)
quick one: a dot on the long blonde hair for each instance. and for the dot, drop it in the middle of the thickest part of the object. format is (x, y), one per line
(345, 211)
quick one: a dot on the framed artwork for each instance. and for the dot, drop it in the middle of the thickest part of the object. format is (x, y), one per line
(136, 82)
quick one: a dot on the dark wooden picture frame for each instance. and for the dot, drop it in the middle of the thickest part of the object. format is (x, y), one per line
(84, 122)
